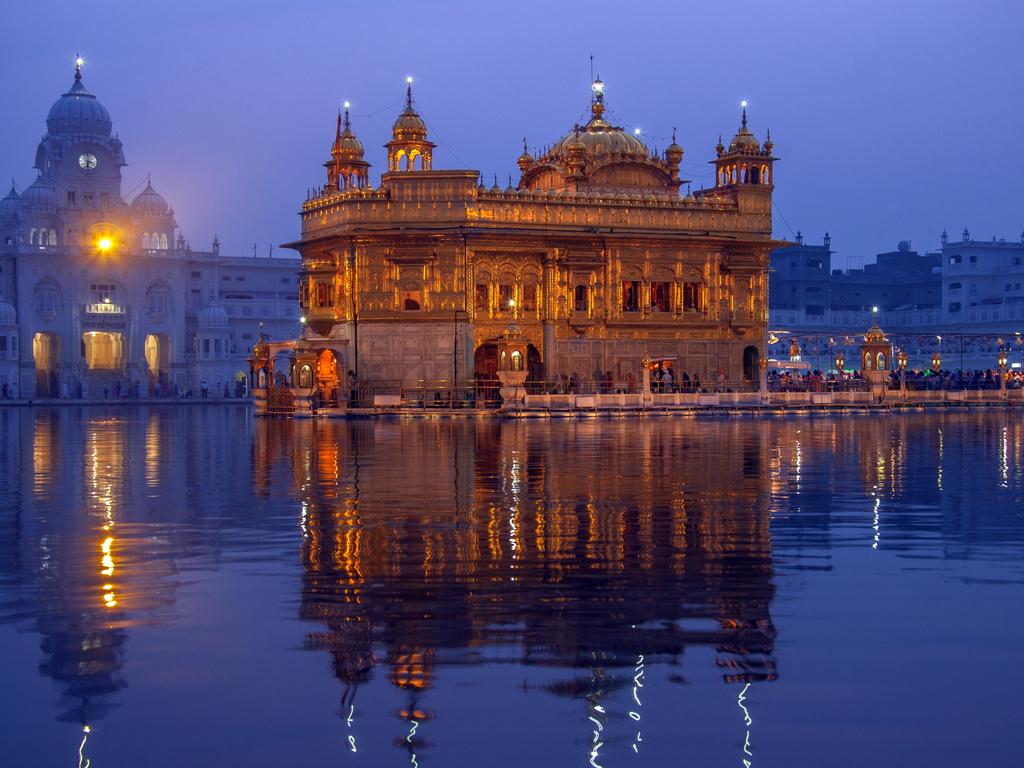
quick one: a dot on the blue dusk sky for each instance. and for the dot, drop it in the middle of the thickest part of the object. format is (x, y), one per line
(893, 119)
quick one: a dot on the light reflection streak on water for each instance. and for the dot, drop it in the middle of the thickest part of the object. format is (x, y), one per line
(83, 761)
(348, 722)
(596, 743)
(1004, 449)
(747, 721)
(876, 523)
(634, 714)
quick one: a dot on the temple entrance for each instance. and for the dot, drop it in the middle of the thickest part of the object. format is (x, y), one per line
(485, 362)
(534, 370)
(281, 365)
(103, 351)
(485, 375)
(158, 359)
(751, 363)
(46, 353)
(327, 377)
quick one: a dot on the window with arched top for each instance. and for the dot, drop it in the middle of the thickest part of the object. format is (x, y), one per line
(163, 241)
(145, 241)
(517, 360)
(581, 299)
(881, 363)
(53, 236)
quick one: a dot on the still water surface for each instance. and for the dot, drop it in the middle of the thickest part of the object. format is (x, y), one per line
(188, 586)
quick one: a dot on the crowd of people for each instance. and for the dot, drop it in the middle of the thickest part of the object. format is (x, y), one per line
(915, 379)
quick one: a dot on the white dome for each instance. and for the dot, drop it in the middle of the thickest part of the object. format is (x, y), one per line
(213, 315)
(39, 197)
(149, 202)
(78, 112)
(9, 204)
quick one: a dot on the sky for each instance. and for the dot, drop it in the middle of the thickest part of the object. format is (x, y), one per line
(893, 119)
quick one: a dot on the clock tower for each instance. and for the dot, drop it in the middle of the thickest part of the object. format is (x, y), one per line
(80, 159)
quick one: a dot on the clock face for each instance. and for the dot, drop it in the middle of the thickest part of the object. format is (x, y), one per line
(87, 161)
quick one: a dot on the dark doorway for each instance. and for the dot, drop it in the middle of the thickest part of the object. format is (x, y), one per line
(751, 362)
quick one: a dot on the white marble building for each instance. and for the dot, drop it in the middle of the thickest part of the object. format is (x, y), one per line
(99, 295)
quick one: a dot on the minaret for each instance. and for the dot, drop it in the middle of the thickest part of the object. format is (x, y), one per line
(745, 162)
(409, 148)
(346, 170)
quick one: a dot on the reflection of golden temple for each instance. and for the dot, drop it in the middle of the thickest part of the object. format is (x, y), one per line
(595, 254)
(479, 568)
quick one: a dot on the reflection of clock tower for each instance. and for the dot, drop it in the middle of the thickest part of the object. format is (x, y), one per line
(81, 161)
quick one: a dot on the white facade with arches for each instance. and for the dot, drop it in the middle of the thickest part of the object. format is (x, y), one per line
(100, 295)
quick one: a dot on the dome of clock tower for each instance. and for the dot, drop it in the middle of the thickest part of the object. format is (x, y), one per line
(78, 112)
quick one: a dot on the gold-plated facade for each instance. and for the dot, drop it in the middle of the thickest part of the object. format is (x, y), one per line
(594, 254)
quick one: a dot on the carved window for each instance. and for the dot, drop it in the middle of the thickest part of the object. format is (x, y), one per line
(504, 297)
(411, 301)
(581, 299)
(529, 297)
(661, 297)
(631, 296)
(480, 299)
(693, 298)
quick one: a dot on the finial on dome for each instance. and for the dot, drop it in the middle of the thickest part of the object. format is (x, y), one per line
(673, 134)
(347, 123)
(743, 104)
(79, 61)
(408, 92)
(597, 99)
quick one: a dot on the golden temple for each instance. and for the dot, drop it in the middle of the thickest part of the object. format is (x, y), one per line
(595, 255)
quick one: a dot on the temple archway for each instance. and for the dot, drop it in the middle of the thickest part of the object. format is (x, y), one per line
(751, 363)
(46, 354)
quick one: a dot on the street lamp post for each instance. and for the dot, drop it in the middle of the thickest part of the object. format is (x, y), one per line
(901, 358)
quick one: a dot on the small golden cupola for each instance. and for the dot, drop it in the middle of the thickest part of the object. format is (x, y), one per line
(409, 149)
(601, 157)
(526, 160)
(346, 170)
(745, 161)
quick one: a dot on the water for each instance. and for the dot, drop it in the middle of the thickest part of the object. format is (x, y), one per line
(187, 586)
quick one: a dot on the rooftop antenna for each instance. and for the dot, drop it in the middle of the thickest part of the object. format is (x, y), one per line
(591, 67)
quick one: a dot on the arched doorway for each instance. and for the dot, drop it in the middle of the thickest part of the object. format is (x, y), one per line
(485, 374)
(751, 363)
(534, 370)
(282, 365)
(158, 358)
(46, 354)
(327, 379)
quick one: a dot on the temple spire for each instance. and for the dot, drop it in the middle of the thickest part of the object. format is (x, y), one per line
(79, 61)
(408, 93)
(348, 125)
(743, 104)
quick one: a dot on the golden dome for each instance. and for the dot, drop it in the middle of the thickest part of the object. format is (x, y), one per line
(875, 335)
(346, 145)
(744, 142)
(409, 124)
